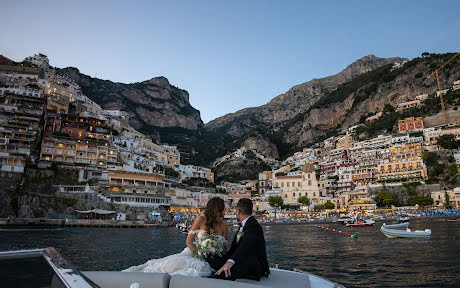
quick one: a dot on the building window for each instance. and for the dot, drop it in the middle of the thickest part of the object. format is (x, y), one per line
(293, 194)
(309, 182)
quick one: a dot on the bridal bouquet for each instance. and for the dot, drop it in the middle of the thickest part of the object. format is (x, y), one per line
(208, 246)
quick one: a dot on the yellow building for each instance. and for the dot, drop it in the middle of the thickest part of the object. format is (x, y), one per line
(76, 151)
(292, 187)
(210, 176)
(410, 170)
(439, 197)
(406, 152)
(405, 163)
(120, 181)
(344, 142)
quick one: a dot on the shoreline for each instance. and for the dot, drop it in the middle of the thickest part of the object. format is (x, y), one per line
(31, 222)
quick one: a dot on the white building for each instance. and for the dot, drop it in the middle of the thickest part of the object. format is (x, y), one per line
(192, 171)
(39, 60)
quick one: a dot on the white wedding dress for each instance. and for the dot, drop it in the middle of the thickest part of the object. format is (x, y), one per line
(182, 263)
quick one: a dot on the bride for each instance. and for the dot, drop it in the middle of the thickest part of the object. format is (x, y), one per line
(184, 263)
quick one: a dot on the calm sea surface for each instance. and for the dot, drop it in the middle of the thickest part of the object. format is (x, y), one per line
(372, 260)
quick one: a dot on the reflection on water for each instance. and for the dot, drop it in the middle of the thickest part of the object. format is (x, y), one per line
(372, 260)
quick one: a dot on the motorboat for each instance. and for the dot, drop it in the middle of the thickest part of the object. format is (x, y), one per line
(346, 220)
(361, 223)
(404, 218)
(183, 227)
(395, 226)
(50, 269)
(407, 233)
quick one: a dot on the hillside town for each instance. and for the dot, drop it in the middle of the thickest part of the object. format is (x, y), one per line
(46, 122)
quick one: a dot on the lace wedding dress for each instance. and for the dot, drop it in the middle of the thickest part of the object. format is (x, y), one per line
(182, 263)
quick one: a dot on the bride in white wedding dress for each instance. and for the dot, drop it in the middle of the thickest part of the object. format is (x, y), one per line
(184, 263)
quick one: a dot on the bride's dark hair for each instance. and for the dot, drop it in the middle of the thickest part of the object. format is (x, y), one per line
(213, 211)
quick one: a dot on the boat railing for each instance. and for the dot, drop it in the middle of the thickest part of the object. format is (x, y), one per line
(68, 275)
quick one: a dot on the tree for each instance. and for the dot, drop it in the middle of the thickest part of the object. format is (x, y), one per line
(304, 200)
(447, 141)
(275, 202)
(447, 204)
(386, 198)
(420, 200)
(328, 205)
(388, 109)
(425, 54)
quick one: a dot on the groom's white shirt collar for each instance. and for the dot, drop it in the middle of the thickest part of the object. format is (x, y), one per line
(244, 222)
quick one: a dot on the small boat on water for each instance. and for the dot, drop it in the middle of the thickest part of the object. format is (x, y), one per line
(346, 220)
(399, 225)
(53, 271)
(183, 227)
(452, 219)
(407, 233)
(404, 218)
(361, 223)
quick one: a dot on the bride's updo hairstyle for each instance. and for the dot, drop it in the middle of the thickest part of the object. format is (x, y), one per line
(213, 211)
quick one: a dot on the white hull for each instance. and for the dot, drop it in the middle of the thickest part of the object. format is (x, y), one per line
(399, 225)
(395, 233)
(278, 278)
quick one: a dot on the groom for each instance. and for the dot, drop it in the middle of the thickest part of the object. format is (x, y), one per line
(247, 257)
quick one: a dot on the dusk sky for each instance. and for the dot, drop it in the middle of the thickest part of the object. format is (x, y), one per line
(228, 55)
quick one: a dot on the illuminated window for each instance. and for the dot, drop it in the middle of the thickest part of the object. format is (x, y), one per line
(101, 163)
(47, 158)
(79, 134)
(60, 145)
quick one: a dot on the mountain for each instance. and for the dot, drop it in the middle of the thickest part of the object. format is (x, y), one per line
(297, 100)
(152, 104)
(320, 108)
(367, 94)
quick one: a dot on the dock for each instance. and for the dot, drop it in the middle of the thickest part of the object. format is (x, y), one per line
(80, 223)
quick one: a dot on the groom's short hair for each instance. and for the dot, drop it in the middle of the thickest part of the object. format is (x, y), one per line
(245, 206)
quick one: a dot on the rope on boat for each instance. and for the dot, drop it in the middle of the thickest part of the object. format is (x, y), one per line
(354, 235)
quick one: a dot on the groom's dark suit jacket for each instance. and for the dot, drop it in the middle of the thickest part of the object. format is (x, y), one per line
(249, 254)
(251, 245)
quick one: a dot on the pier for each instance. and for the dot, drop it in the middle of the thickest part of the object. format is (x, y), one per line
(80, 223)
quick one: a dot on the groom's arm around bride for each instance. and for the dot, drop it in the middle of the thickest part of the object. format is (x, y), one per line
(247, 255)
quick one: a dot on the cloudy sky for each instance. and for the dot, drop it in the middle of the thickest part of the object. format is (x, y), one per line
(228, 55)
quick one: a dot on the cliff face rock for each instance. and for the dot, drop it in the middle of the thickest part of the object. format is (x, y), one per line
(238, 169)
(370, 93)
(151, 104)
(262, 145)
(297, 100)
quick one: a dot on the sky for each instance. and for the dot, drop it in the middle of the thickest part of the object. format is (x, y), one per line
(228, 55)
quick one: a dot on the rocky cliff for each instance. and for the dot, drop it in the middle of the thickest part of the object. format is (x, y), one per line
(367, 94)
(297, 100)
(151, 104)
(328, 106)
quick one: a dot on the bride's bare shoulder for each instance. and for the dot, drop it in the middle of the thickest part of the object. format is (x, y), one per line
(200, 219)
